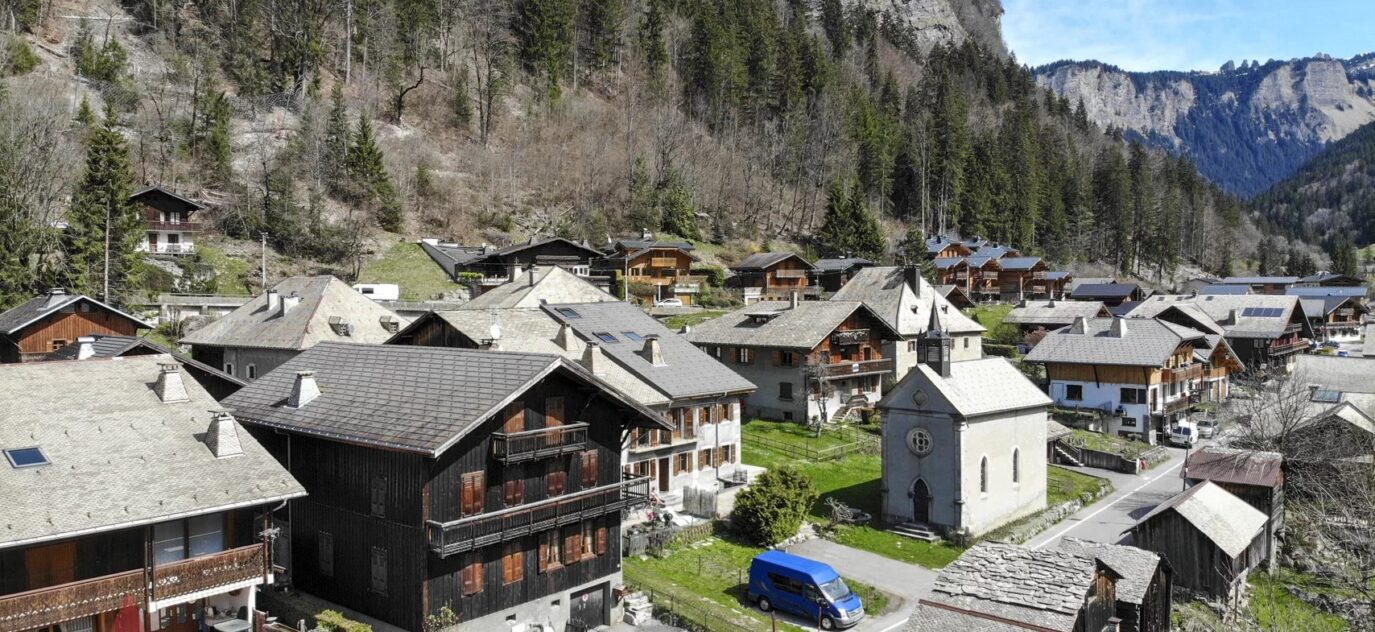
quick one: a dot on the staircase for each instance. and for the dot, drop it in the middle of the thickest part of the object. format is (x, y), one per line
(1066, 456)
(638, 609)
(916, 531)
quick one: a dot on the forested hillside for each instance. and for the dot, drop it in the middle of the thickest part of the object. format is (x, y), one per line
(1246, 126)
(1331, 200)
(337, 126)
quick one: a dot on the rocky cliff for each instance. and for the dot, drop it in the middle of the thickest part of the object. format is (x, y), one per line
(936, 22)
(1245, 126)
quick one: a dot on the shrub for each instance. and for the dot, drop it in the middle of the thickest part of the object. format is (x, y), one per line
(18, 58)
(716, 275)
(771, 510)
(335, 621)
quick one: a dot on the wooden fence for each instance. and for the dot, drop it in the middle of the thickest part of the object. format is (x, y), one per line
(862, 443)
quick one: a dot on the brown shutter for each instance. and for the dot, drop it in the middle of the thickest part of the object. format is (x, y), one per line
(703, 457)
(515, 492)
(515, 417)
(777, 357)
(601, 541)
(589, 469)
(469, 495)
(543, 552)
(553, 412)
(571, 546)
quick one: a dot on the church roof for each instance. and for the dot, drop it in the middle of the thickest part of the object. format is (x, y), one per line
(975, 387)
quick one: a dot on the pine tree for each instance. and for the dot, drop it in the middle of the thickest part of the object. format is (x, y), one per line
(337, 141)
(101, 217)
(369, 177)
(850, 229)
(833, 24)
(84, 115)
(643, 211)
(602, 20)
(544, 33)
(210, 134)
(652, 42)
(675, 207)
(461, 103)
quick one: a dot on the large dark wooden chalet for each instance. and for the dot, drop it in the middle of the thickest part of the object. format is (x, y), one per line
(1211, 538)
(494, 266)
(44, 324)
(482, 481)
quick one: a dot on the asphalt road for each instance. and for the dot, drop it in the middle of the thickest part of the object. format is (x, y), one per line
(905, 582)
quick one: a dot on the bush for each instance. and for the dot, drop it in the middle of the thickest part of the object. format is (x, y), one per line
(716, 275)
(771, 510)
(17, 58)
(335, 621)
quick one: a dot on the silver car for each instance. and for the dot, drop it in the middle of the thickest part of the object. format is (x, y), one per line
(1207, 428)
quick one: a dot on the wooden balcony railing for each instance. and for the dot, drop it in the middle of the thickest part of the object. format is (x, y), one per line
(186, 227)
(458, 536)
(849, 369)
(208, 572)
(1281, 346)
(529, 445)
(43, 607)
(663, 262)
(790, 274)
(850, 337)
(1179, 374)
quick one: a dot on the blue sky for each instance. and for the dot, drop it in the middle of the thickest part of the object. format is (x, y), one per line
(1185, 34)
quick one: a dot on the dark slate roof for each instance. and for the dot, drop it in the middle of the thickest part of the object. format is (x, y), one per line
(939, 243)
(1018, 263)
(1324, 277)
(1230, 465)
(687, 370)
(1357, 292)
(762, 260)
(1044, 588)
(514, 248)
(414, 399)
(978, 261)
(146, 190)
(632, 245)
(945, 263)
(1136, 566)
(1147, 342)
(1106, 290)
(24, 314)
(1225, 289)
(997, 252)
(840, 265)
(1124, 308)
(1259, 280)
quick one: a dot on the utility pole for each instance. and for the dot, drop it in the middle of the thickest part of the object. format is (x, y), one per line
(263, 235)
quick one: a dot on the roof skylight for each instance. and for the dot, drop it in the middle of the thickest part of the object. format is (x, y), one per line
(26, 457)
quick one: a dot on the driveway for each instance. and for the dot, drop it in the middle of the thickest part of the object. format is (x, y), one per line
(905, 582)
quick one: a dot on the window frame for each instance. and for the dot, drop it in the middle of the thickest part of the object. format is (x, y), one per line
(785, 391)
(1069, 392)
(9, 456)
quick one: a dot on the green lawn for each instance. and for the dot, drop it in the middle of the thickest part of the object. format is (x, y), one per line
(991, 316)
(408, 266)
(1274, 608)
(1064, 485)
(1104, 442)
(231, 275)
(710, 580)
(791, 433)
(855, 480)
(675, 323)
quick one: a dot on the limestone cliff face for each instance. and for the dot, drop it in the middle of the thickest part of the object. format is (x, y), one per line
(935, 22)
(1246, 127)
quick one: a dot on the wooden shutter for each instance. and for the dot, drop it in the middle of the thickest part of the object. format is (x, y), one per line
(557, 478)
(543, 561)
(777, 357)
(472, 575)
(515, 492)
(513, 564)
(553, 412)
(703, 458)
(571, 546)
(601, 541)
(589, 469)
(515, 417)
(474, 488)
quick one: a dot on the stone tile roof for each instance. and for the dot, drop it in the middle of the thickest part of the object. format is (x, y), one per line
(934, 617)
(1055, 429)
(24, 314)
(1147, 342)
(687, 371)
(1045, 588)
(1229, 522)
(977, 387)
(1137, 567)
(540, 284)
(1230, 465)
(1221, 309)
(116, 346)
(762, 260)
(1351, 375)
(783, 327)
(885, 291)
(322, 298)
(1051, 312)
(119, 456)
(414, 399)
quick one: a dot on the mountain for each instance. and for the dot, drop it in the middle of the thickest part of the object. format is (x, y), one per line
(1332, 195)
(1246, 127)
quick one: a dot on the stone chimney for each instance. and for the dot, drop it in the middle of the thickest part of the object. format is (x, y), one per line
(1079, 326)
(223, 437)
(56, 296)
(274, 301)
(1119, 327)
(391, 324)
(86, 347)
(169, 387)
(592, 358)
(912, 275)
(565, 338)
(531, 277)
(792, 300)
(304, 391)
(1232, 317)
(687, 329)
(652, 352)
(289, 303)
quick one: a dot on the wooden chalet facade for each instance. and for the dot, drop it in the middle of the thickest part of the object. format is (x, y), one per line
(168, 220)
(1253, 476)
(665, 266)
(773, 275)
(979, 277)
(1023, 277)
(1211, 538)
(44, 324)
(497, 492)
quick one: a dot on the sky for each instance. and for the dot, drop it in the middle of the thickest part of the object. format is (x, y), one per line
(1148, 35)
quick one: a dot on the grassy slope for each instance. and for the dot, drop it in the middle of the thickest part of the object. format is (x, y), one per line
(1274, 608)
(408, 266)
(1110, 443)
(1064, 485)
(674, 323)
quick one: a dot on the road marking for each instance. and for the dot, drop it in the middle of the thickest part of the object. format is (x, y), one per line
(1085, 519)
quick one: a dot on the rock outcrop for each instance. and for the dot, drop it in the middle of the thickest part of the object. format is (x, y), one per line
(936, 22)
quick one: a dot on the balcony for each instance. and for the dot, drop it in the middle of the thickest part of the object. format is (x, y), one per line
(183, 227)
(43, 607)
(850, 337)
(663, 262)
(530, 445)
(467, 534)
(209, 572)
(171, 249)
(1280, 347)
(1180, 374)
(840, 370)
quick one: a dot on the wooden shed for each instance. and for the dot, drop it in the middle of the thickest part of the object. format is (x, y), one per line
(1211, 538)
(1254, 476)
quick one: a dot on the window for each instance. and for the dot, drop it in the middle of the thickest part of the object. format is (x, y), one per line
(26, 457)
(966, 342)
(785, 390)
(169, 542)
(983, 475)
(1074, 392)
(379, 496)
(549, 548)
(744, 355)
(207, 534)
(57, 343)
(588, 540)
(324, 543)
(1016, 465)
(379, 570)
(704, 458)
(514, 492)
(229, 368)
(512, 564)
(682, 462)
(474, 488)
(471, 575)
(785, 584)
(553, 412)
(251, 371)
(605, 336)
(1133, 396)
(630, 335)
(911, 345)
(589, 469)
(572, 545)
(556, 478)
(568, 312)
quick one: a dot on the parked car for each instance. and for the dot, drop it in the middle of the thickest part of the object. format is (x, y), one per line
(1184, 434)
(804, 587)
(670, 302)
(1207, 428)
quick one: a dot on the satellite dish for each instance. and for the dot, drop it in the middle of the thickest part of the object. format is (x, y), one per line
(495, 331)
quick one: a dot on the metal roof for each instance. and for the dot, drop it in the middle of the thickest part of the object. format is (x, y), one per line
(838, 265)
(1261, 280)
(1230, 465)
(762, 260)
(1225, 289)
(1105, 290)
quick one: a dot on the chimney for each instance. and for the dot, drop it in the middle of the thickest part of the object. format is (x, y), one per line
(223, 438)
(304, 391)
(289, 303)
(645, 234)
(687, 329)
(1051, 303)
(391, 324)
(912, 275)
(1080, 325)
(565, 338)
(592, 358)
(792, 300)
(56, 296)
(532, 276)
(169, 386)
(86, 348)
(1119, 327)
(274, 301)
(1021, 303)
(1232, 317)
(652, 352)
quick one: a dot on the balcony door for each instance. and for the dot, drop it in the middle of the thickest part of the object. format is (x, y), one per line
(51, 565)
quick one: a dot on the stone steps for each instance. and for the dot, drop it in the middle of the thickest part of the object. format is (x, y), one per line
(1064, 454)
(916, 531)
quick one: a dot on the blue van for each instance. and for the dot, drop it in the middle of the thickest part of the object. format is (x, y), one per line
(803, 587)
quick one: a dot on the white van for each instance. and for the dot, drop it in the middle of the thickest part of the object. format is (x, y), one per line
(1184, 434)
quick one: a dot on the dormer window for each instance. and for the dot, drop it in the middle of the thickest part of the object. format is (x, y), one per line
(26, 457)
